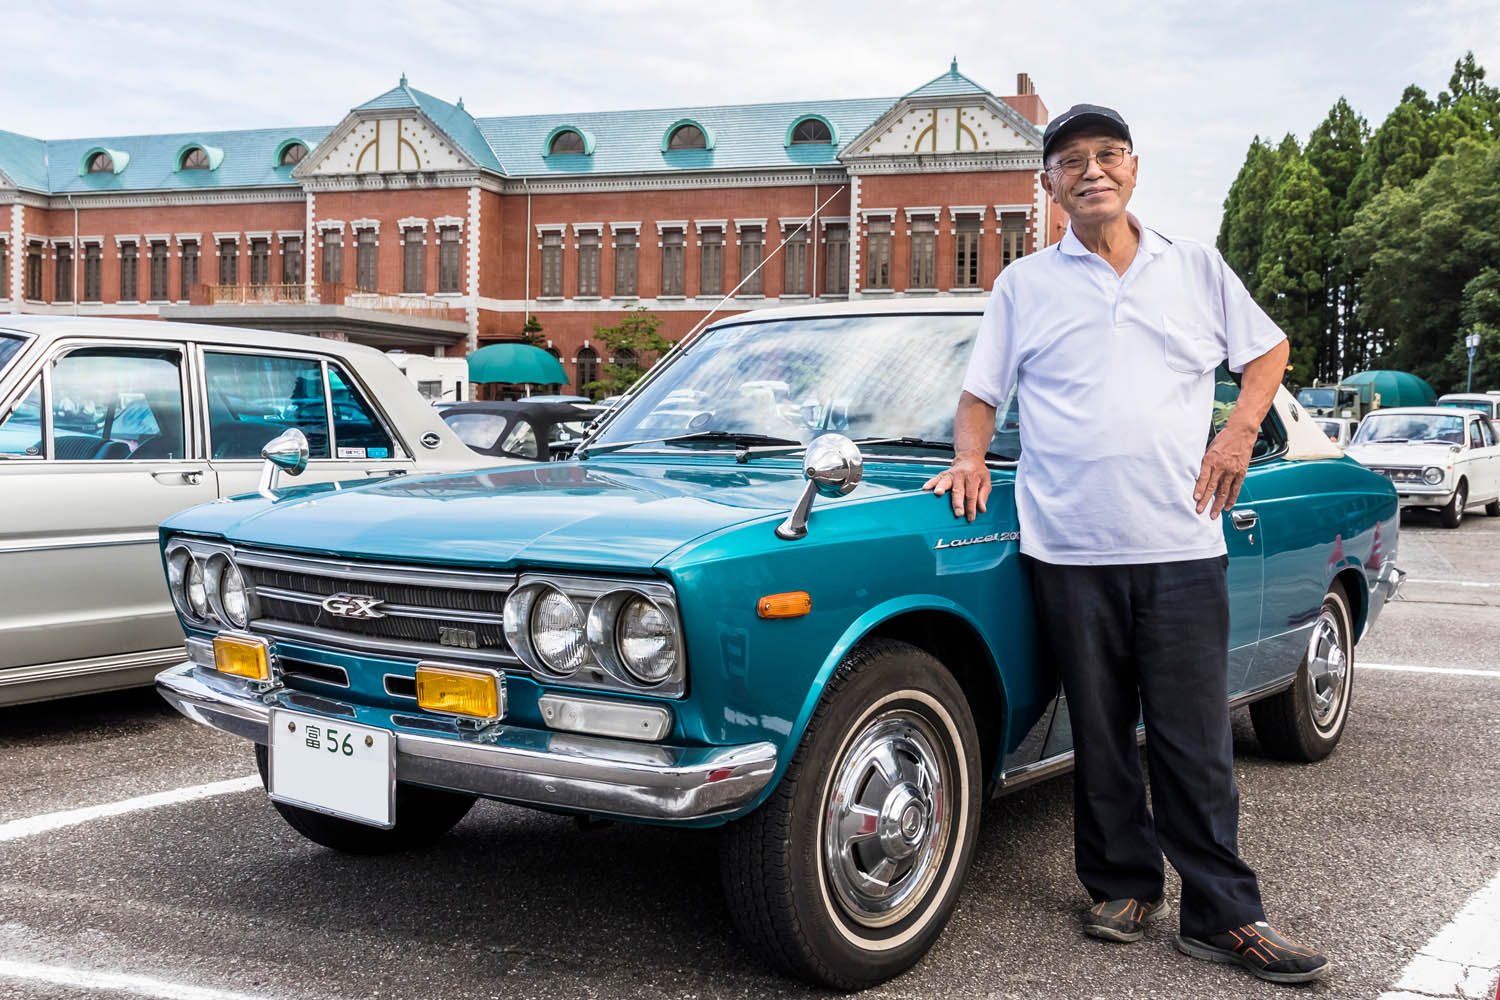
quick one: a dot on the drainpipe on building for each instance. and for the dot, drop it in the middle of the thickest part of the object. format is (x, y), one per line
(814, 234)
(75, 253)
(526, 183)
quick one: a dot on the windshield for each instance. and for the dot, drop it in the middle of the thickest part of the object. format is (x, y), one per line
(867, 377)
(1316, 397)
(1331, 428)
(1401, 427)
(1484, 406)
(10, 346)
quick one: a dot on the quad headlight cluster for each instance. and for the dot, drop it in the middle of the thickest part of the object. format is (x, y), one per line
(602, 633)
(206, 586)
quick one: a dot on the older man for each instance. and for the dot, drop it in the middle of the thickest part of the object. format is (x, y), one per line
(1111, 339)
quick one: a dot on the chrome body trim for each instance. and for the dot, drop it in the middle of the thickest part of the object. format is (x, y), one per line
(512, 763)
(396, 648)
(346, 569)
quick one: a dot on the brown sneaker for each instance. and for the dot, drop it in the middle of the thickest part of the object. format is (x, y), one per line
(1124, 920)
(1260, 949)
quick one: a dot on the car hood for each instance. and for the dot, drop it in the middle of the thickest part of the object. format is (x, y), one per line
(608, 514)
(1413, 453)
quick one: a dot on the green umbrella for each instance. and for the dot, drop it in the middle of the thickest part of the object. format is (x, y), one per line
(515, 363)
(1395, 388)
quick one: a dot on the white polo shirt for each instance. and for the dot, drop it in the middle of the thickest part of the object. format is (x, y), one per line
(1115, 380)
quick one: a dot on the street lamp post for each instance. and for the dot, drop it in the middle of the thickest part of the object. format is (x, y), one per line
(1472, 343)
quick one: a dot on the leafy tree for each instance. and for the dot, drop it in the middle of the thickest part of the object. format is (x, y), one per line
(1296, 244)
(1400, 150)
(1424, 250)
(628, 344)
(1335, 150)
(1479, 313)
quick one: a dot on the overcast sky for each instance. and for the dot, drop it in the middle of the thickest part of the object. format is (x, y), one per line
(1196, 79)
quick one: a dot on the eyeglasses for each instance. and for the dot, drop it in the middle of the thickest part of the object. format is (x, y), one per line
(1107, 159)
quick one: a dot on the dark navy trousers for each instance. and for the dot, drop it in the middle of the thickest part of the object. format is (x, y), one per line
(1151, 640)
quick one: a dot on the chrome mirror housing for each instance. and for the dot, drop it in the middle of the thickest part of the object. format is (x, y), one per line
(833, 466)
(286, 452)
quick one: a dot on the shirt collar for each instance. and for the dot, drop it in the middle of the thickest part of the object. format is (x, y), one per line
(1152, 242)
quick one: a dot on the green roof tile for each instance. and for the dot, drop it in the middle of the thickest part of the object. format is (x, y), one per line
(24, 160)
(950, 83)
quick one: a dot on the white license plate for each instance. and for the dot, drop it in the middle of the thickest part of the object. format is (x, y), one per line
(333, 767)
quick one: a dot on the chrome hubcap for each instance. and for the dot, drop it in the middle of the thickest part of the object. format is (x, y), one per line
(1327, 668)
(886, 820)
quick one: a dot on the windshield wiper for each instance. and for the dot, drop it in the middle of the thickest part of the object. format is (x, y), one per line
(1390, 440)
(744, 439)
(917, 442)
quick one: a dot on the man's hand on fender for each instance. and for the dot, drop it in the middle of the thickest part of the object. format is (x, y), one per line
(1224, 467)
(968, 479)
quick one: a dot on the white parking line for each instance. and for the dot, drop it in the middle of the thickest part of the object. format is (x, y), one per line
(1462, 959)
(18, 828)
(1403, 668)
(1456, 583)
(119, 982)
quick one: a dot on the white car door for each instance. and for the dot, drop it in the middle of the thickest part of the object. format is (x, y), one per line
(1491, 452)
(98, 454)
(252, 396)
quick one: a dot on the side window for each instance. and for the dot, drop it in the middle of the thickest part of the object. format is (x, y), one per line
(114, 403)
(1226, 395)
(521, 441)
(1476, 436)
(356, 432)
(254, 397)
(21, 431)
(1486, 431)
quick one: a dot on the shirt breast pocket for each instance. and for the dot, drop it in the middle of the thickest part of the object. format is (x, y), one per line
(1189, 347)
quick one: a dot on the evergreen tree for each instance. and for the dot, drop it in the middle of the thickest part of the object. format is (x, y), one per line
(1335, 150)
(1293, 265)
(1242, 230)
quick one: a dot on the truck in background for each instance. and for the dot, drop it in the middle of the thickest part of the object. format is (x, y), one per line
(439, 380)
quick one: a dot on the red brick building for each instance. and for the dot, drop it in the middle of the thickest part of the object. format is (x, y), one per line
(413, 224)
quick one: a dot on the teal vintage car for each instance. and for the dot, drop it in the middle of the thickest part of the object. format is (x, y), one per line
(734, 607)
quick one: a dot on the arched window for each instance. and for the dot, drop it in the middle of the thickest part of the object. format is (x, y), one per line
(195, 159)
(566, 142)
(687, 137)
(101, 163)
(626, 357)
(811, 130)
(292, 154)
(587, 364)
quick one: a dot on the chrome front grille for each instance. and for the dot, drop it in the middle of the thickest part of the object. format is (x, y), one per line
(425, 613)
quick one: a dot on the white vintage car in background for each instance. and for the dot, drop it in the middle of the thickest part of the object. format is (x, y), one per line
(108, 427)
(1445, 458)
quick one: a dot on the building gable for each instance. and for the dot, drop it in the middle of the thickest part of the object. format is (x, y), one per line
(939, 123)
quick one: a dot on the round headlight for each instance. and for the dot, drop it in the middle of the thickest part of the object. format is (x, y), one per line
(177, 564)
(646, 641)
(557, 633)
(197, 590)
(233, 597)
(1432, 475)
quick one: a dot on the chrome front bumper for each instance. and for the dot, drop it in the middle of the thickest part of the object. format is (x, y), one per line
(542, 768)
(1410, 496)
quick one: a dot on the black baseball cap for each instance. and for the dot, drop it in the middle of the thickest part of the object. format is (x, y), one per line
(1077, 117)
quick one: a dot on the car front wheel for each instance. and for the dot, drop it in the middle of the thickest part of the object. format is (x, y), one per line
(422, 816)
(1453, 514)
(848, 873)
(1305, 721)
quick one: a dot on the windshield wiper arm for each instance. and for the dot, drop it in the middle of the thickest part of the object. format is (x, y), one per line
(744, 439)
(917, 442)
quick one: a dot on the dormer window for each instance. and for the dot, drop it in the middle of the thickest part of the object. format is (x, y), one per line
(194, 159)
(566, 143)
(101, 163)
(292, 154)
(687, 137)
(810, 130)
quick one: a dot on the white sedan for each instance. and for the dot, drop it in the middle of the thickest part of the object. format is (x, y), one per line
(108, 427)
(1439, 457)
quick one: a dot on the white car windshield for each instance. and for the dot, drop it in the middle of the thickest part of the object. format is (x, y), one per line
(887, 381)
(1399, 428)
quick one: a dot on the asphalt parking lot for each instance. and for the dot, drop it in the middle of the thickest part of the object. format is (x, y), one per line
(1369, 855)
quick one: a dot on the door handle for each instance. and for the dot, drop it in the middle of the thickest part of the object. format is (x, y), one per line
(173, 477)
(1244, 519)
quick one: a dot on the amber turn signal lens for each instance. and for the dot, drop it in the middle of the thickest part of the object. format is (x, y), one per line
(243, 656)
(457, 691)
(791, 605)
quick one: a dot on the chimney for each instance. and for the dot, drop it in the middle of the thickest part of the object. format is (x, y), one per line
(1024, 85)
